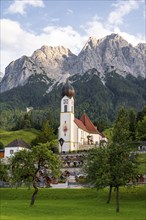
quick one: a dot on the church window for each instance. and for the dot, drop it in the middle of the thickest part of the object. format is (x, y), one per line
(65, 108)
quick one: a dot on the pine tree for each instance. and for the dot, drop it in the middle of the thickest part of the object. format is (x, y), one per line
(132, 124)
(121, 131)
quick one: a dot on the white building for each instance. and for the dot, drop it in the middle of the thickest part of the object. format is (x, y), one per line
(73, 133)
(14, 147)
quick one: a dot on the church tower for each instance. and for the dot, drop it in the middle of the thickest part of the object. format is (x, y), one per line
(66, 129)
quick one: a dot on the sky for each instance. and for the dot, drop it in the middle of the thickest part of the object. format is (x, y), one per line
(27, 25)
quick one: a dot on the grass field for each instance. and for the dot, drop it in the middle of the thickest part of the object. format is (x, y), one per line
(26, 134)
(72, 204)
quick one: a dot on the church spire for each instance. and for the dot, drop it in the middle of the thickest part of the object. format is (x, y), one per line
(68, 90)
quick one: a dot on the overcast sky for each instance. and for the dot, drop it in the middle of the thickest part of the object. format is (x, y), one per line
(26, 25)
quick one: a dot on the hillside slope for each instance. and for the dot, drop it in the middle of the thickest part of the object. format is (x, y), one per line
(27, 135)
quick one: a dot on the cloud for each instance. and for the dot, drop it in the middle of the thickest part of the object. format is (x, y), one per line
(55, 19)
(69, 11)
(144, 13)
(100, 29)
(96, 28)
(134, 40)
(12, 36)
(19, 6)
(66, 36)
(122, 8)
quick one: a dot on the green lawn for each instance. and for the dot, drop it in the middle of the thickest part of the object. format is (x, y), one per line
(26, 134)
(72, 204)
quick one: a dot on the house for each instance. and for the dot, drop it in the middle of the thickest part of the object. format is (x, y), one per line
(14, 147)
(75, 134)
(2, 152)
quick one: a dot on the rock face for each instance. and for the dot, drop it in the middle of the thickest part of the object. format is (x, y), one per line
(1, 76)
(17, 73)
(113, 52)
(57, 63)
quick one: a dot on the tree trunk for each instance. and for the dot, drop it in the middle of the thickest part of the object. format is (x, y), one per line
(117, 199)
(33, 198)
(109, 195)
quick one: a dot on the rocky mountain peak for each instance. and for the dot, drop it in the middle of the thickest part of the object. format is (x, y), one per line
(142, 47)
(55, 61)
(113, 52)
(47, 52)
(106, 54)
(114, 37)
(59, 50)
(91, 43)
(115, 40)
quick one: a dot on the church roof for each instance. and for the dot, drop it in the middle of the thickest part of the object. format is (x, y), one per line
(68, 90)
(80, 124)
(86, 124)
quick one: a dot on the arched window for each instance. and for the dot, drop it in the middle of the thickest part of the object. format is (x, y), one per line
(65, 108)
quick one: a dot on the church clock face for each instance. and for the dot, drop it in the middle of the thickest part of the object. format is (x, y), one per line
(65, 101)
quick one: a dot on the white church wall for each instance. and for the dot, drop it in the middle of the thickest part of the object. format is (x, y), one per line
(66, 131)
(79, 136)
(69, 102)
(96, 139)
(65, 147)
(65, 126)
(75, 138)
(85, 137)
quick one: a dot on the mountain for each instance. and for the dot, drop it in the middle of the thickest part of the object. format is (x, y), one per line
(58, 63)
(108, 73)
(113, 52)
(1, 76)
(49, 61)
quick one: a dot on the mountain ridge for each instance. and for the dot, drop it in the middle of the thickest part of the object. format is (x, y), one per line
(58, 63)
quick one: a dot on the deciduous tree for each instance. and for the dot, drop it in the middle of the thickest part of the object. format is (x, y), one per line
(27, 165)
(112, 165)
(3, 171)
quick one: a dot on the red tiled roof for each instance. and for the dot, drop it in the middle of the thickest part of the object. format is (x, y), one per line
(85, 124)
(88, 124)
(80, 124)
(19, 143)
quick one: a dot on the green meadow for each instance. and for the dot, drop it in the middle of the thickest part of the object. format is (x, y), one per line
(26, 134)
(72, 204)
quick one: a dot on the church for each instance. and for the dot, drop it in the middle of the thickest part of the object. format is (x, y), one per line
(75, 134)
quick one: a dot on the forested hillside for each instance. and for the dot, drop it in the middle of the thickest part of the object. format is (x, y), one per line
(99, 99)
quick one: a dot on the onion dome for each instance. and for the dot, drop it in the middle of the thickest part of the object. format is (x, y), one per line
(68, 90)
